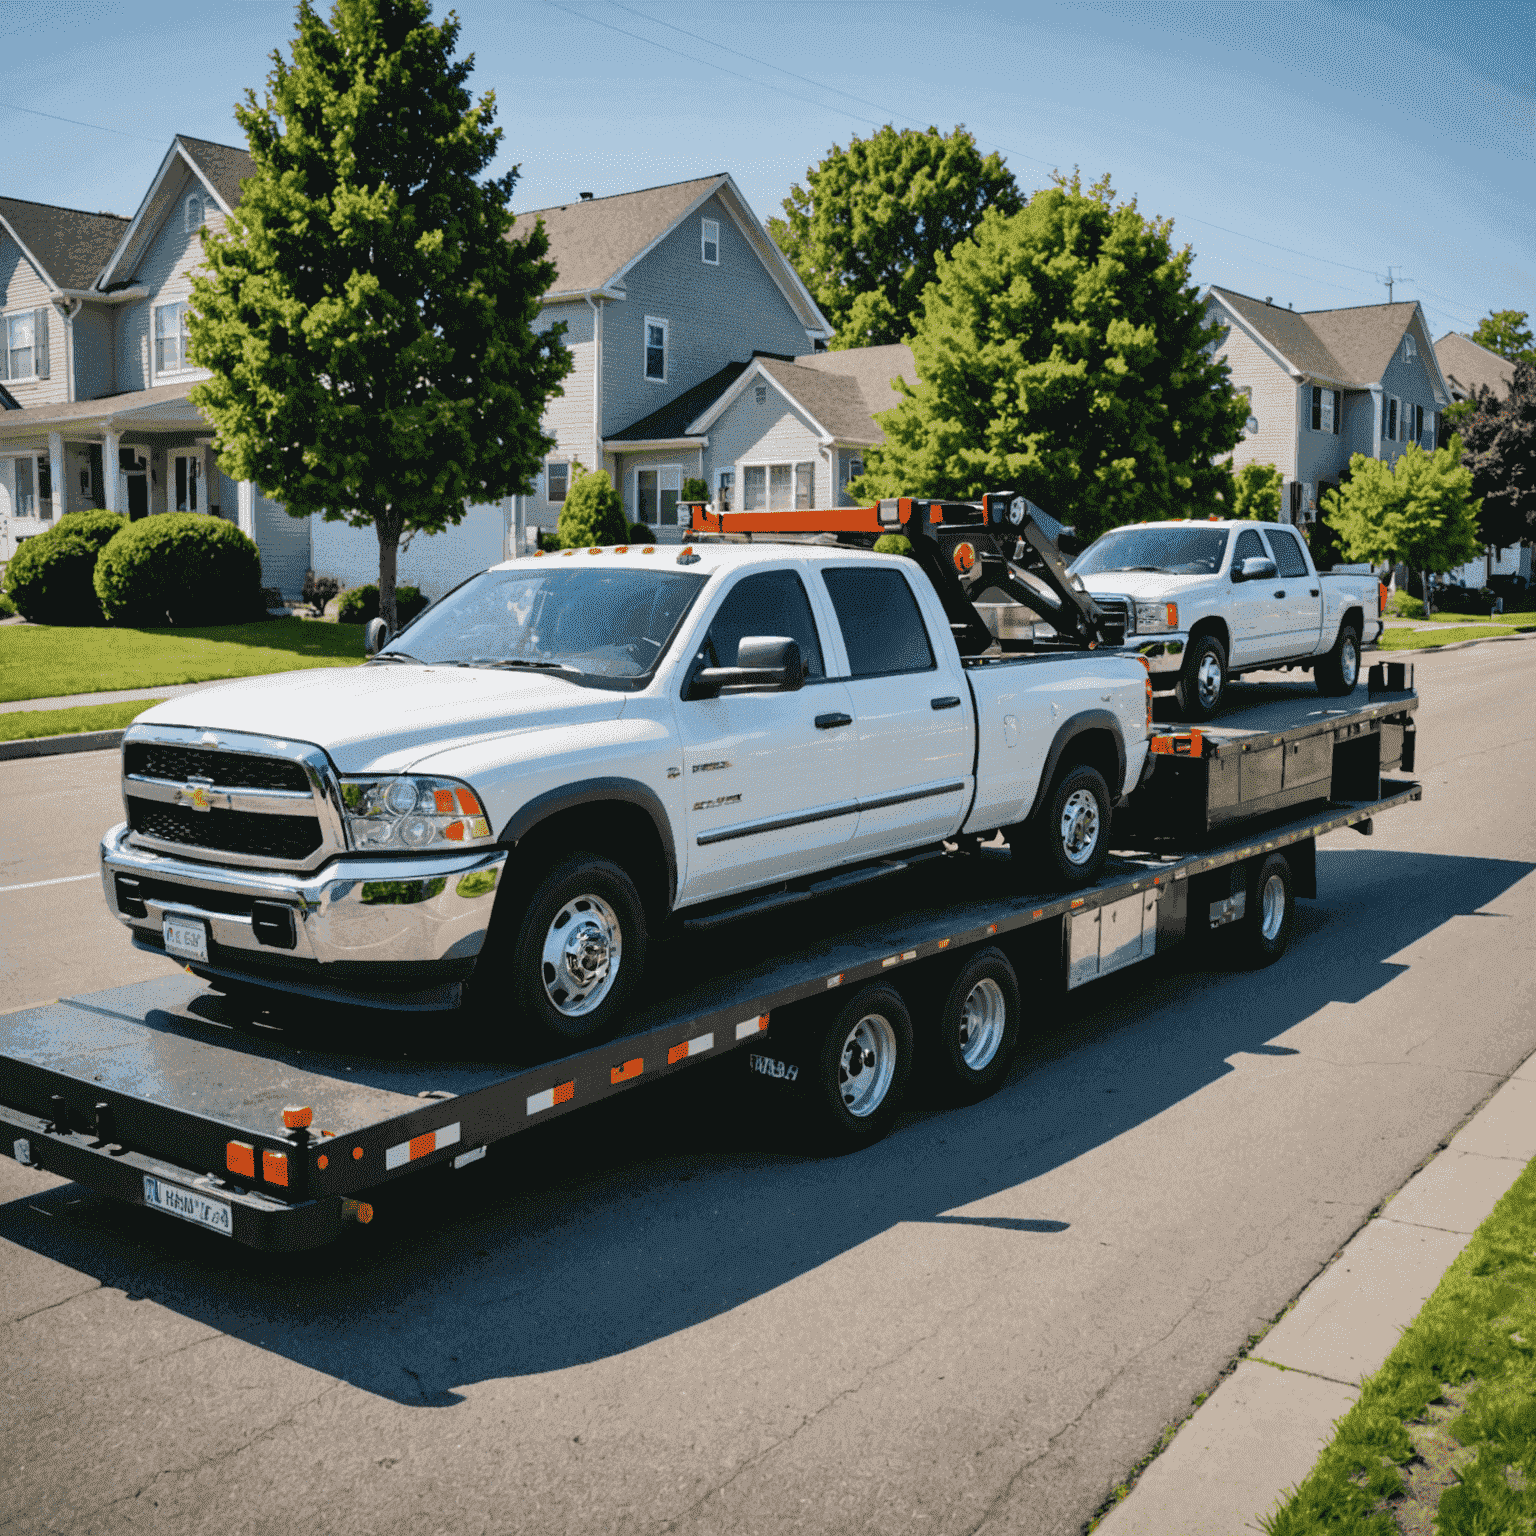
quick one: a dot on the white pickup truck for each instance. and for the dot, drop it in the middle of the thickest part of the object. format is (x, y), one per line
(1206, 601)
(564, 752)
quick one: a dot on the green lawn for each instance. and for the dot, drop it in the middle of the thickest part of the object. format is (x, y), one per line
(24, 724)
(1457, 1398)
(1395, 639)
(41, 661)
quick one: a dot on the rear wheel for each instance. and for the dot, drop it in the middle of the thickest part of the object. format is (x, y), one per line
(978, 1028)
(1070, 838)
(859, 1070)
(1202, 678)
(1339, 671)
(1270, 913)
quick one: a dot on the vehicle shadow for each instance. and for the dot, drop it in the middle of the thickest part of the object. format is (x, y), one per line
(669, 1206)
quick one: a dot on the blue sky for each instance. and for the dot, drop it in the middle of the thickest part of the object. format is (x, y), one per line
(1302, 147)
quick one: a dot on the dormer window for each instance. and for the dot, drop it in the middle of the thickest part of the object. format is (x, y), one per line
(710, 240)
(192, 213)
(1410, 348)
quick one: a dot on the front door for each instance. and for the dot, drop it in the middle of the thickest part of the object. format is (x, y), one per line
(1303, 600)
(1256, 608)
(769, 778)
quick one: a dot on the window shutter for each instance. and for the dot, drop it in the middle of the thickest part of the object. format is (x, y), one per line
(5, 348)
(1338, 409)
(40, 342)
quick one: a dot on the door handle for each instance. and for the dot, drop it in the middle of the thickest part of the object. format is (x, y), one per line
(949, 701)
(1311, 591)
(1280, 593)
(832, 721)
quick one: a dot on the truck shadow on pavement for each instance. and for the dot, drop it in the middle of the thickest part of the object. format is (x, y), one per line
(669, 1206)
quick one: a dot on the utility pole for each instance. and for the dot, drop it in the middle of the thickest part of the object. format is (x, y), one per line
(1389, 280)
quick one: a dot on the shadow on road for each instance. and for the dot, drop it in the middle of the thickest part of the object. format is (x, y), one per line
(669, 1206)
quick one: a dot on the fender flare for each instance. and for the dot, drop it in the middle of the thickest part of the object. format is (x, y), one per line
(593, 791)
(1078, 725)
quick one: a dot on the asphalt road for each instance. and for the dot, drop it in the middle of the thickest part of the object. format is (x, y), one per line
(668, 1320)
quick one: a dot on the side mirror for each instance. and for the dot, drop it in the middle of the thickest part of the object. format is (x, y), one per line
(764, 664)
(1255, 568)
(374, 637)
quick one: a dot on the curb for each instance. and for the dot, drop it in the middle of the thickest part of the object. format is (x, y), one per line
(49, 746)
(1260, 1429)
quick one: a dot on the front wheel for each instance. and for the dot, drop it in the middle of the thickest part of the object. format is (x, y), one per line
(1070, 840)
(1270, 913)
(859, 1071)
(1202, 678)
(1339, 671)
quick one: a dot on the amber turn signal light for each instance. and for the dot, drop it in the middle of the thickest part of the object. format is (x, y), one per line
(298, 1117)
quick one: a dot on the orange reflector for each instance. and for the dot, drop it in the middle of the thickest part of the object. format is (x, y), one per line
(565, 1092)
(322, 1161)
(632, 1068)
(422, 1145)
(943, 943)
(442, 801)
(454, 831)
(356, 1210)
(965, 556)
(1213, 518)
(240, 1157)
(568, 553)
(357, 1154)
(298, 1117)
(687, 549)
(677, 1053)
(274, 1167)
(538, 554)
(468, 804)
(1171, 614)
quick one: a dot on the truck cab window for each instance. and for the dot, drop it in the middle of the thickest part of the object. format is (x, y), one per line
(1249, 546)
(1288, 557)
(882, 625)
(768, 603)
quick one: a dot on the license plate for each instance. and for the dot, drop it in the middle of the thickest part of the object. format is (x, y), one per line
(186, 937)
(216, 1215)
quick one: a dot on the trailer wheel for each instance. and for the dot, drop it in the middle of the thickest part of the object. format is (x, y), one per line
(576, 959)
(978, 1028)
(1339, 671)
(859, 1071)
(1270, 915)
(1071, 836)
(1202, 678)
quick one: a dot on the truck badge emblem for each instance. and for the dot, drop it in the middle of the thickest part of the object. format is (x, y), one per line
(195, 794)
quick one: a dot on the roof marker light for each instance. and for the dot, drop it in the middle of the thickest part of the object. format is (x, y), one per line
(298, 1117)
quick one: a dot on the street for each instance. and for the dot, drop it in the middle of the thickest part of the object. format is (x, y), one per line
(670, 1320)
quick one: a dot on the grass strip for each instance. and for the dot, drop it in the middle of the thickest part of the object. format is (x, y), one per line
(1421, 639)
(1446, 1429)
(40, 661)
(26, 724)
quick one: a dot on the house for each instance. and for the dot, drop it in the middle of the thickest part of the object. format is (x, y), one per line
(1469, 368)
(1325, 384)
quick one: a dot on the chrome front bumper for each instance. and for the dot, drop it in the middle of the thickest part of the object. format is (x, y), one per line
(1163, 653)
(364, 926)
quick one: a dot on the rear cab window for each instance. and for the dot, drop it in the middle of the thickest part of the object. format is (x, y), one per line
(882, 626)
(1289, 560)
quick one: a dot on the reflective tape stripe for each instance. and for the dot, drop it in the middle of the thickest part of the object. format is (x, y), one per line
(631, 1068)
(422, 1146)
(561, 1093)
(751, 1026)
(695, 1047)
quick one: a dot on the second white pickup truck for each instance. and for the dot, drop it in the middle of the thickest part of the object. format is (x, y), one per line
(567, 750)
(1206, 601)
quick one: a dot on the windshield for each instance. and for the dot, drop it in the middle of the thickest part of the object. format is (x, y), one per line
(1173, 551)
(606, 626)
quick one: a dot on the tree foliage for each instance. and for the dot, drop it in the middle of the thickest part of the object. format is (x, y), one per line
(1419, 510)
(179, 568)
(368, 325)
(866, 231)
(1063, 352)
(1504, 331)
(593, 513)
(1500, 442)
(1256, 493)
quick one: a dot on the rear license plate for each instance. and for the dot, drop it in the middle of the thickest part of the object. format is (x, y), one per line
(216, 1215)
(186, 937)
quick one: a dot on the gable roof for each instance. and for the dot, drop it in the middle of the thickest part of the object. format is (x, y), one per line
(593, 242)
(671, 421)
(222, 166)
(1469, 367)
(67, 246)
(872, 369)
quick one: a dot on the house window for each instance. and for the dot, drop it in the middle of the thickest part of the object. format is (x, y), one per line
(1410, 347)
(188, 470)
(1391, 423)
(760, 394)
(656, 493)
(19, 353)
(170, 337)
(191, 213)
(26, 496)
(725, 489)
(710, 241)
(557, 481)
(656, 349)
(778, 487)
(1416, 432)
(1326, 410)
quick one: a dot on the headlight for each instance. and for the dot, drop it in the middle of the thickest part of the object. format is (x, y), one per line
(1156, 618)
(412, 811)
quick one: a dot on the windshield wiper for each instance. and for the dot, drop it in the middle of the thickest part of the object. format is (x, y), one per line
(1161, 570)
(397, 656)
(523, 661)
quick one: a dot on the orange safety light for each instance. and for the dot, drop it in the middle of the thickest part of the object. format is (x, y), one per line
(298, 1117)
(322, 1161)
(650, 549)
(595, 550)
(1171, 615)
(468, 804)
(240, 1157)
(357, 1210)
(1386, 597)
(621, 549)
(357, 1154)
(442, 800)
(274, 1167)
(965, 557)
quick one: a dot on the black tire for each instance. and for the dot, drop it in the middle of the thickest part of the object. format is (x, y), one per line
(869, 1038)
(1202, 680)
(536, 1010)
(975, 1032)
(1338, 672)
(1269, 916)
(1068, 842)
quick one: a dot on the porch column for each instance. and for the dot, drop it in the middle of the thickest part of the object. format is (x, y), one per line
(1378, 420)
(56, 475)
(109, 442)
(247, 514)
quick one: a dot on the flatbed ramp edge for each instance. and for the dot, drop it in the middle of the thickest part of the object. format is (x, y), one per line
(163, 1094)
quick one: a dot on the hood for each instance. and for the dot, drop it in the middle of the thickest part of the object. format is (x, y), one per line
(1146, 585)
(387, 717)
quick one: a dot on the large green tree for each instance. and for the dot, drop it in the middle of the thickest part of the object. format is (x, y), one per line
(1500, 438)
(1064, 352)
(368, 325)
(1504, 331)
(1419, 510)
(1256, 493)
(866, 231)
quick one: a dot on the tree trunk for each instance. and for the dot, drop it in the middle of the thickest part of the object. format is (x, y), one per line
(1424, 587)
(388, 525)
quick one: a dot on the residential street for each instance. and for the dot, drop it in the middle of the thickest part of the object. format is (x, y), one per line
(668, 1320)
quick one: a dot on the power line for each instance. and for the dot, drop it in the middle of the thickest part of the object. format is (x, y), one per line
(99, 127)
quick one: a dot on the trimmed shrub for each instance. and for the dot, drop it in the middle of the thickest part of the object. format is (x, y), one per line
(50, 577)
(180, 568)
(98, 526)
(359, 605)
(593, 513)
(1404, 607)
(694, 489)
(640, 534)
(7, 607)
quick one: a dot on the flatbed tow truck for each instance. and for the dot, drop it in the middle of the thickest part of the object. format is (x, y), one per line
(277, 1129)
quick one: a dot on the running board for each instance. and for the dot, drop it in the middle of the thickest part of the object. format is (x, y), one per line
(758, 904)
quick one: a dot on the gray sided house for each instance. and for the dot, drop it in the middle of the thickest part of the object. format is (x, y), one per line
(1326, 384)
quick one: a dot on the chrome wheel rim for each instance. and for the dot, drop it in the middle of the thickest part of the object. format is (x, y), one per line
(1349, 661)
(866, 1065)
(982, 1021)
(1208, 680)
(1080, 826)
(582, 950)
(1272, 914)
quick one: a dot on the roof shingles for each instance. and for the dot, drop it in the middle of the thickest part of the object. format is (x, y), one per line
(1351, 346)
(72, 246)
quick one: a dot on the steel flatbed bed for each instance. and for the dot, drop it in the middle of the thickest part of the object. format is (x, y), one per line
(170, 1095)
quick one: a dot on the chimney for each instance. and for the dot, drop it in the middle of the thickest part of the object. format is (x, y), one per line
(586, 197)
(1268, 299)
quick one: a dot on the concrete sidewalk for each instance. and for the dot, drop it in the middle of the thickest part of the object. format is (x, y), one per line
(120, 696)
(1261, 1431)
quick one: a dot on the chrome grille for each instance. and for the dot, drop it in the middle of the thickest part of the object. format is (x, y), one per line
(269, 837)
(1120, 617)
(226, 770)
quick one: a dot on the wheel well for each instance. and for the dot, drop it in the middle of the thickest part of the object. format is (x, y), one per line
(620, 831)
(1097, 749)
(1358, 616)
(1214, 627)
